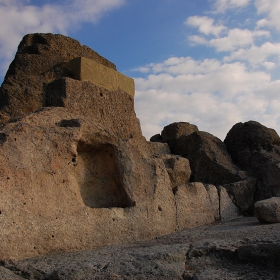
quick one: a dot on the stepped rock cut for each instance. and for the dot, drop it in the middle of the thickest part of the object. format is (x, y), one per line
(85, 69)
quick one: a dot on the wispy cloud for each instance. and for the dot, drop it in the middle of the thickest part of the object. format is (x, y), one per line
(223, 5)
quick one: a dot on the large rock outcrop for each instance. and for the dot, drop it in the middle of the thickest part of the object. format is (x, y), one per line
(40, 59)
(76, 172)
(209, 160)
(256, 149)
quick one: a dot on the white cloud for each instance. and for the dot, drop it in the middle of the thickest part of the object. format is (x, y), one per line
(258, 55)
(223, 5)
(205, 25)
(272, 10)
(18, 18)
(208, 93)
(234, 39)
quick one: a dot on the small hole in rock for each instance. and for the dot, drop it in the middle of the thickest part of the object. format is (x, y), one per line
(101, 94)
(35, 248)
(52, 236)
(159, 208)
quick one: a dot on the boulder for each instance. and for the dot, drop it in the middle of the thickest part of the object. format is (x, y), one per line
(243, 194)
(173, 131)
(156, 138)
(228, 210)
(256, 149)
(196, 205)
(178, 169)
(268, 210)
(209, 159)
(40, 59)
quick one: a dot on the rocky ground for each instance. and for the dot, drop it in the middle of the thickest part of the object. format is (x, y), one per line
(239, 249)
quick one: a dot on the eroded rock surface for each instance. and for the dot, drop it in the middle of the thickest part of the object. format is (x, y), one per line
(256, 149)
(240, 249)
(76, 172)
(40, 59)
(268, 210)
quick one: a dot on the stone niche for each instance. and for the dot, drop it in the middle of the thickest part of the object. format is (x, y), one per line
(99, 177)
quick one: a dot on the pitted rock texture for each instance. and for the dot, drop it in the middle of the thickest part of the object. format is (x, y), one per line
(68, 183)
(256, 149)
(268, 210)
(113, 109)
(40, 59)
(209, 160)
(242, 249)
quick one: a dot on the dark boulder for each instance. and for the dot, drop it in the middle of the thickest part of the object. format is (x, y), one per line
(209, 159)
(173, 131)
(256, 149)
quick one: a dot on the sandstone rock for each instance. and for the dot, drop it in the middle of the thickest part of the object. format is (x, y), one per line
(209, 160)
(255, 148)
(85, 69)
(113, 109)
(69, 188)
(196, 205)
(178, 169)
(228, 210)
(40, 59)
(268, 210)
(242, 194)
(76, 172)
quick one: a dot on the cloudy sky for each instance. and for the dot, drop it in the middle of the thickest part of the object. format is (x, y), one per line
(212, 63)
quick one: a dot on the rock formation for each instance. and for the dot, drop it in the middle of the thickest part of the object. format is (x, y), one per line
(256, 149)
(268, 210)
(76, 172)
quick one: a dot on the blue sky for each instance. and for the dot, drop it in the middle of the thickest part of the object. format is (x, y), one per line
(212, 63)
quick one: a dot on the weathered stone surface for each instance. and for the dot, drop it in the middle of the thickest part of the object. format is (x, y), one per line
(178, 169)
(239, 249)
(196, 205)
(243, 194)
(40, 59)
(173, 131)
(77, 173)
(256, 149)
(250, 135)
(268, 210)
(85, 69)
(6, 274)
(113, 109)
(68, 188)
(228, 210)
(209, 160)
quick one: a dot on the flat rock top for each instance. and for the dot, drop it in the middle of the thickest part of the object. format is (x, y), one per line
(239, 249)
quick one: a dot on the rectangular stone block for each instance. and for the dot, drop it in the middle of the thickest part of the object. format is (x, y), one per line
(85, 69)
